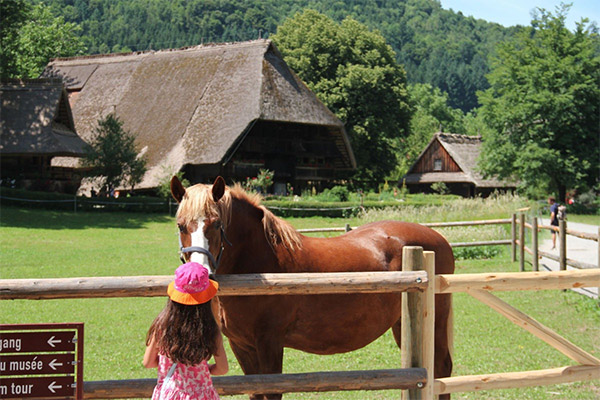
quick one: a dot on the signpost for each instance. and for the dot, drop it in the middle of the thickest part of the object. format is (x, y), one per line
(41, 360)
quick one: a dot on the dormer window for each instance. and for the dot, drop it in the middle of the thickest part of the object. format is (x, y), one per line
(437, 164)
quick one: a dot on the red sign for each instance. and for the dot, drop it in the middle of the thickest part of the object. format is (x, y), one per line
(34, 364)
(50, 356)
(56, 386)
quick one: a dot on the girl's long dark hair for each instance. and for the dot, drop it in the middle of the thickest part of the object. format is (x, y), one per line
(186, 334)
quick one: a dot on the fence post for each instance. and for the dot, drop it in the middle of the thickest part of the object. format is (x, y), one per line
(417, 319)
(562, 236)
(513, 237)
(534, 244)
(522, 242)
(348, 228)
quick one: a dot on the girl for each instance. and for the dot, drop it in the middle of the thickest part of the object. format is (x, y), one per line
(184, 336)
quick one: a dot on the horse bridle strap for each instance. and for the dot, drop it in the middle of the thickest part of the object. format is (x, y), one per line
(198, 249)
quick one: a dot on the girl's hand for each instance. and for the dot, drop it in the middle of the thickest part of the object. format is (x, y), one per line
(221, 366)
(151, 354)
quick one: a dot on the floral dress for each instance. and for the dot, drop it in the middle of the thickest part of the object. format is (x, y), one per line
(191, 382)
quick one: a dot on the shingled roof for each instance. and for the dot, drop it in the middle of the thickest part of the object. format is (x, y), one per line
(193, 105)
(36, 119)
(464, 150)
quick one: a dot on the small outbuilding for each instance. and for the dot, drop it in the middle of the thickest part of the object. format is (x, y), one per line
(220, 109)
(451, 159)
(37, 126)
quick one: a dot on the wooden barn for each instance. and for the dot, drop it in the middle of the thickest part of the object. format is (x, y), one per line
(452, 159)
(37, 126)
(222, 109)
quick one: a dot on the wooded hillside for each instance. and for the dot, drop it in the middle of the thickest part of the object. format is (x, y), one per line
(436, 46)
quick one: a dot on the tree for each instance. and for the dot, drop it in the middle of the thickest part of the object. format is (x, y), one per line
(543, 107)
(31, 36)
(354, 72)
(112, 155)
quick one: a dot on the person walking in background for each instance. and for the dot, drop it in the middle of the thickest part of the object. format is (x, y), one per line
(184, 337)
(553, 218)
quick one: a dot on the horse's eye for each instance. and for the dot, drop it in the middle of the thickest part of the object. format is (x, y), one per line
(181, 228)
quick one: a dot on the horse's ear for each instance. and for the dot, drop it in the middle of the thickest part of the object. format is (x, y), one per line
(218, 188)
(177, 189)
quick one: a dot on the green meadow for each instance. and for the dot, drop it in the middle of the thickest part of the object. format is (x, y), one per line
(50, 244)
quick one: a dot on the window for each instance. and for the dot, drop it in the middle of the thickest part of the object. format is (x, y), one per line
(437, 164)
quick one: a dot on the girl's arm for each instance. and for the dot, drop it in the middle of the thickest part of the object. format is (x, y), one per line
(151, 354)
(221, 366)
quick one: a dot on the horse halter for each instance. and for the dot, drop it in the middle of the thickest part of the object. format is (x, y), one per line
(198, 249)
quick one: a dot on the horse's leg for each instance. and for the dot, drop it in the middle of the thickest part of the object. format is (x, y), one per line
(443, 335)
(442, 356)
(248, 359)
(270, 358)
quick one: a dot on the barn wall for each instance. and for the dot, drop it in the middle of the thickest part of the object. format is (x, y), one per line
(435, 151)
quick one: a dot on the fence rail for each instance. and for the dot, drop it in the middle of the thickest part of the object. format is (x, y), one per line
(536, 253)
(409, 377)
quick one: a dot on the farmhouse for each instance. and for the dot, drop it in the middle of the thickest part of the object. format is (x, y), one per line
(452, 159)
(37, 126)
(226, 109)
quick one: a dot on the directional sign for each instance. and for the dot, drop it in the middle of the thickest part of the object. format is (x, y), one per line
(37, 387)
(28, 342)
(34, 364)
(41, 360)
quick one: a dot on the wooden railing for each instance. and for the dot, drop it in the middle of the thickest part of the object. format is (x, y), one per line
(417, 288)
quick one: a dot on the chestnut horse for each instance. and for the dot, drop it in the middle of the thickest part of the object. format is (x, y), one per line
(243, 237)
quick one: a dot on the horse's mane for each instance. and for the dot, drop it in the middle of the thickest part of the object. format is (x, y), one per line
(198, 201)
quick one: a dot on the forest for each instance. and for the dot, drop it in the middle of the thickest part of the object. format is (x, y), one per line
(395, 72)
(440, 47)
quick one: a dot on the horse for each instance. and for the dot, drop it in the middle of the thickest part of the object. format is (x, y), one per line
(229, 230)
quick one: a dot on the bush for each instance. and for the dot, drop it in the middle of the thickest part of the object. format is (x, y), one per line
(341, 193)
(59, 201)
(476, 252)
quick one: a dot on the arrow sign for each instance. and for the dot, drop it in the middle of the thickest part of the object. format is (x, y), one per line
(53, 386)
(53, 364)
(52, 341)
(28, 342)
(37, 387)
(36, 364)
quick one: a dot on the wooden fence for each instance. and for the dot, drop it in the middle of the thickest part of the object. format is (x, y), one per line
(517, 240)
(417, 287)
(438, 225)
(534, 251)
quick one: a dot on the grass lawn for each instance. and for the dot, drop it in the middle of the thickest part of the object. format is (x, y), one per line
(45, 244)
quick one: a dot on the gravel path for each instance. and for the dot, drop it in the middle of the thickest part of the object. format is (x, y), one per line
(577, 249)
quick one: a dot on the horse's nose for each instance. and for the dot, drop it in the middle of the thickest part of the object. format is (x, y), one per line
(203, 260)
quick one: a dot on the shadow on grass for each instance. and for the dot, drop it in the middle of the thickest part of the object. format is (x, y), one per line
(50, 219)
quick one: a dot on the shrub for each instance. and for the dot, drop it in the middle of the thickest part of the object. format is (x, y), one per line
(340, 192)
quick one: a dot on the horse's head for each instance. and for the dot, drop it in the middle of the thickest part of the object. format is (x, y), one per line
(207, 212)
(201, 220)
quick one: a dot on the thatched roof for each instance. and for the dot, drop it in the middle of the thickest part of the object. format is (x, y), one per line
(464, 150)
(37, 120)
(193, 105)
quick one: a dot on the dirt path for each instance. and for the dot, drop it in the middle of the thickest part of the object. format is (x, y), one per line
(577, 249)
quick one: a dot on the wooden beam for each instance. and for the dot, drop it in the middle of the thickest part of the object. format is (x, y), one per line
(536, 328)
(412, 328)
(482, 243)
(230, 285)
(276, 383)
(509, 380)
(428, 311)
(467, 223)
(513, 281)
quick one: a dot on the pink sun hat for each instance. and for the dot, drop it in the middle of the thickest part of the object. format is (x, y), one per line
(191, 285)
